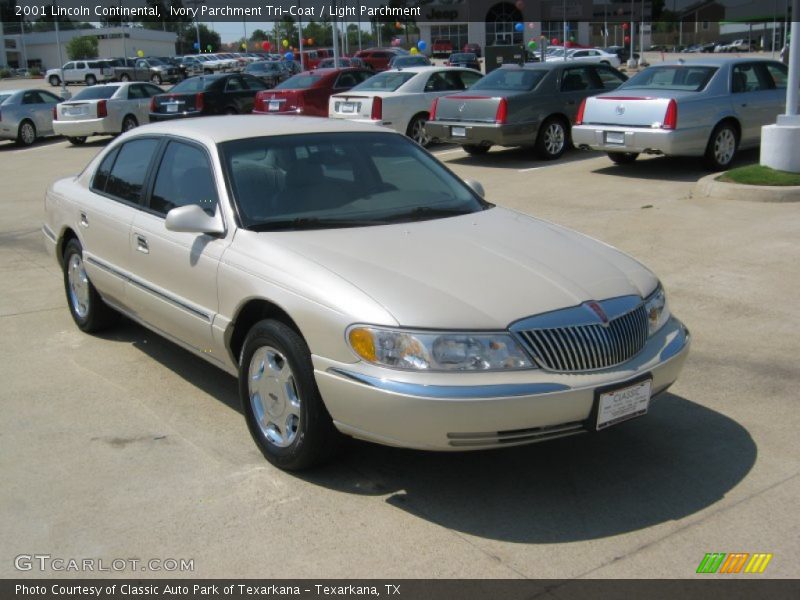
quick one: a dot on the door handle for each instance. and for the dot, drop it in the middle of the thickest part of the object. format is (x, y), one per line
(744, 105)
(141, 244)
(84, 222)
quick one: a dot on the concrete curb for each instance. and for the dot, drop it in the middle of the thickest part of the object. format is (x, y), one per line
(709, 187)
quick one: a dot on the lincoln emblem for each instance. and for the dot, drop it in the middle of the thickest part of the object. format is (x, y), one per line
(598, 310)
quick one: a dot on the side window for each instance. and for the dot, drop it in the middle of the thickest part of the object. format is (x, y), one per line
(101, 175)
(151, 90)
(184, 177)
(80, 65)
(363, 75)
(135, 92)
(48, 98)
(346, 80)
(609, 80)
(575, 80)
(31, 97)
(436, 83)
(468, 78)
(69, 65)
(130, 170)
(253, 83)
(141, 64)
(779, 74)
(234, 84)
(746, 79)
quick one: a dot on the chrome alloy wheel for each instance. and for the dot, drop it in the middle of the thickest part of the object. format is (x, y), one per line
(273, 396)
(554, 138)
(78, 286)
(27, 133)
(418, 133)
(724, 146)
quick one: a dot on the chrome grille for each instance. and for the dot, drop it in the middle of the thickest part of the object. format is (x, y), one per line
(588, 347)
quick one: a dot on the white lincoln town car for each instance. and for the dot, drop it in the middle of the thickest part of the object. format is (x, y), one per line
(356, 286)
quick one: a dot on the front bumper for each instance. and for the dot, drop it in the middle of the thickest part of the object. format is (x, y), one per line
(483, 134)
(84, 127)
(436, 411)
(640, 140)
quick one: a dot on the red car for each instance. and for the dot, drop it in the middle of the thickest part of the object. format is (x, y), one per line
(377, 58)
(442, 47)
(307, 93)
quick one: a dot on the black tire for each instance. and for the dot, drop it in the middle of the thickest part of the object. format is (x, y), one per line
(308, 437)
(125, 77)
(128, 123)
(476, 149)
(722, 147)
(91, 79)
(416, 130)
(86, 306)
(230, 111)
(623, 158)
(54, 80)
(26, 134)
(156, 79)
(77, 141)
(553, 139)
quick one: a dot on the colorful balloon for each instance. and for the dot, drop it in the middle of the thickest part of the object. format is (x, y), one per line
(414, 50)
(209, 47)
(554, 41)
(285, 43)
(531, 25)
(519, 27)
(519, 4)
(196, 46)
(422, 45)
(140, 53)
(289, 56)
(265, 46)
(627, 39)
(244, 46)
(398, 25)
(532, 45)
(626, 26)
(310, 41)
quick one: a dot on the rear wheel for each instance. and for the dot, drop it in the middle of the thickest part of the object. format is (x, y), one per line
(125, 77)
(156, 78)
(416, 130)
(77, 141)
(91, 79)
(623, 158)
(128, 123)
(280, 399)
(230, 111)
(722, 146)
(86, 306)
(54, 80)
(26, 134)
(552, 140)
(476, 149)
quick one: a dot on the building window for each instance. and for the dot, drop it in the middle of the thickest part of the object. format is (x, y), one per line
(500, 22)
(457, 34)
(555, 29)
(705, 25)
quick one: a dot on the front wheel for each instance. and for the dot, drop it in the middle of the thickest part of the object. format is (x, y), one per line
(86, 306)
(77, 141)
(623, 158)
(91, 80)
(552, 140)
(54, 80)
(128, 123)
(416, 130)
(722, 146)
(26, 134)
(156, 78)
(125, 77)
(280, 399)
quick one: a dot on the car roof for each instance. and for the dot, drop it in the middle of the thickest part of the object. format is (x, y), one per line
(215, 130)
(714, 61)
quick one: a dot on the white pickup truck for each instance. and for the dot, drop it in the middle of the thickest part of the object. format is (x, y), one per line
(81, 71)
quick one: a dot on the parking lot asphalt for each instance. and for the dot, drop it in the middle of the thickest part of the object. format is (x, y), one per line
(124, 446)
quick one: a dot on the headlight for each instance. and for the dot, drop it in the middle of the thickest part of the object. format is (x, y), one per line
(657, 310)
(437, 351)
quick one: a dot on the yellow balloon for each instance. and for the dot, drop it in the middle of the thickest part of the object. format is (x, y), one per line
(285, 43)
(244, 46)
(414, 51)
(140, 53)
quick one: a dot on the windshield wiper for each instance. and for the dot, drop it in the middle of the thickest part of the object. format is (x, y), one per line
(311, 223)
(422, 213)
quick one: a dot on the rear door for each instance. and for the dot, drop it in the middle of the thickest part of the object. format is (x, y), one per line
(577, 83)
(176, 288)
(754, 98)
(69, 72)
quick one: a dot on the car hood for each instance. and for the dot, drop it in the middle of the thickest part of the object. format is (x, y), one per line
(478, 271)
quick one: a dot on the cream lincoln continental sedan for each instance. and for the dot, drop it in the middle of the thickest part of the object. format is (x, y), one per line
(356, 286)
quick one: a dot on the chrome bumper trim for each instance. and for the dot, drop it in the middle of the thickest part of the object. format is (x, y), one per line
(453, 391)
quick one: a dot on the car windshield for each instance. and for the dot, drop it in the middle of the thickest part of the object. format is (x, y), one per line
(348, 179)
(388, 81)
(463, 57)
(521, 80)
(96, 92)
(688, 78)
(193, 84)
(299, 82)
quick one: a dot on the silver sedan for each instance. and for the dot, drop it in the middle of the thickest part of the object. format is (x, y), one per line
(356, 286)
(105, 110)
(26, 115)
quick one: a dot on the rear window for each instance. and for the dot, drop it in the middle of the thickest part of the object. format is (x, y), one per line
(299, 82)
(96, 92)
(520, 80)
(462, 57)
(4, 97)
(387, 81)
(194, 84)
(686, 78)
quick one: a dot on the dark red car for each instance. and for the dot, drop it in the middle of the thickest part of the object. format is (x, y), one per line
(307, 93)
(377, 59)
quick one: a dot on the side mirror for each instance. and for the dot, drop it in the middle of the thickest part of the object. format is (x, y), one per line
(192, 219)
(476, 187)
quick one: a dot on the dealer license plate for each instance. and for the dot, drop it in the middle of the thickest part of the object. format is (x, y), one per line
(75, 111)
(458, 131)
(615, 137)
(347, 107)
(172, 108)
(625, 403)
(274, 105)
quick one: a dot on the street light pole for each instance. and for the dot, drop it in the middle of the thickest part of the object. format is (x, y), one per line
(794, 69)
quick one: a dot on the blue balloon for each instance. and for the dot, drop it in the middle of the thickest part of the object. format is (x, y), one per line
(519, 27)
(422, 45)
(289, 56)
(196, 46)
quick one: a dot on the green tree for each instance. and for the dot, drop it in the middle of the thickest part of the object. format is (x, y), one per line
(207, 37)
(84, 46)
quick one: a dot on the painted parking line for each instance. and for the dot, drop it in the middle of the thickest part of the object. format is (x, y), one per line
(442, 153)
